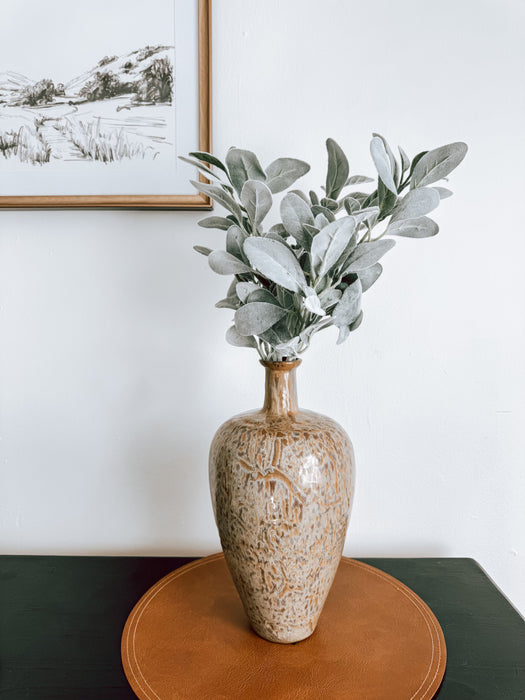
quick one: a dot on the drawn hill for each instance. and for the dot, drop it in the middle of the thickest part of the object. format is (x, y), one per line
(11, 84)
(145, 74)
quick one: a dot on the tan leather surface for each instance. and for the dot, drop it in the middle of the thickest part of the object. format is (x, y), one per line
(188, 637)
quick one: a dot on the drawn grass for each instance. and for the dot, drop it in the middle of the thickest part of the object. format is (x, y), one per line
(8, 143)
(106, 146)
(27, 143)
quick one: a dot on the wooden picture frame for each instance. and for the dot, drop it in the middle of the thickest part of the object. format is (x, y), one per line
(63, 113)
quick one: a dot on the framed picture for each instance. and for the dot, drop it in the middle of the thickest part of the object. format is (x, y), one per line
(97, 102)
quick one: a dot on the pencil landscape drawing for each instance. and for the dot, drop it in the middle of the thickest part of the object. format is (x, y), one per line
(116, 111)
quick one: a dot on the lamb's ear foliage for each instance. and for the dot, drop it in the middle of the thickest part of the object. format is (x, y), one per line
(296, 216)
(437, 164)
(338, 169)
(215, 222)
(243, 166)
(309, 270)
(256, 199)
(209, 159)
(277, 262)
(221, 197)
(284, 172)
(383, 164)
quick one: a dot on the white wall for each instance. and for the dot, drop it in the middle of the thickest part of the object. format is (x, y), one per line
(114, 371)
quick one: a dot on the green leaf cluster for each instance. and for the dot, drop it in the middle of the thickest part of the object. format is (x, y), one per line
(309, 271)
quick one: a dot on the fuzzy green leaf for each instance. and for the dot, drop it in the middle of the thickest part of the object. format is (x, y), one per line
(283, 172)
(349, 306)
(422, 227)
(438, 163)
(394, 166)
(416, 203)
(295, 213)
(416, 160)
(208, 158)
(386, 199)
(382, 163)
(312, 303)
(256, 198)
(330, 243)
(244, 289)
(367, 254)
(202, 250)
(370, 275)
(224, 263)
(220, 196)
(279, 230)
(235, 238)
(241, 341)
(355, 324)
(215, 222)
(351, 205)
(261, 294)
(242, 166)
(443, 192)
(405, 161)
(318, 209)
(331, 204)
(370, 214)
(302, 195)
(256, 317)
(275, 261)
(344, 331)
(338, 169)
(232, 302)
(312, 231)
(321, 221)
(204, 169)
(330, 297)
(358, 180)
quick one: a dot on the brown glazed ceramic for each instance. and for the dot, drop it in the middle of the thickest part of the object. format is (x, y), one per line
(281, 480)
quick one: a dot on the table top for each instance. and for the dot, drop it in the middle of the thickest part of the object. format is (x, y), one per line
(61, 621)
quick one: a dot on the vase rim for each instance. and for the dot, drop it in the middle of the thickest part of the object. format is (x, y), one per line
(282, 365)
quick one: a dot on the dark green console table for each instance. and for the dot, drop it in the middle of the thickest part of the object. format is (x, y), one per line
(61, 620)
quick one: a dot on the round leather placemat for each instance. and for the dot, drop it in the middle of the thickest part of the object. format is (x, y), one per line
(188, 637)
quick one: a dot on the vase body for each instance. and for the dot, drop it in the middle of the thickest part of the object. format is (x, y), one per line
(281, 481)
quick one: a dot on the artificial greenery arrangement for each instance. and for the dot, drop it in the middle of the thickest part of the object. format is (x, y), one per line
(309, 271)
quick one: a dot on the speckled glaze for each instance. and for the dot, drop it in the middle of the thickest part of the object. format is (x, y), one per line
(281, 480)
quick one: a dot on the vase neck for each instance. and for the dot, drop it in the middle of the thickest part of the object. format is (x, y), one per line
(280, 397)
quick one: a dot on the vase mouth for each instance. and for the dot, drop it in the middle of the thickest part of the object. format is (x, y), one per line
(282, 365)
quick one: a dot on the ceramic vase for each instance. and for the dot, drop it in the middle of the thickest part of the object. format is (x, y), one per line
(282, 481)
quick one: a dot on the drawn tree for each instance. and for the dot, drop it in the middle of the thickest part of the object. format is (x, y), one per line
(107, 59)
(156, 83)
(101, 87)
(148, 51)
(39, 93)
